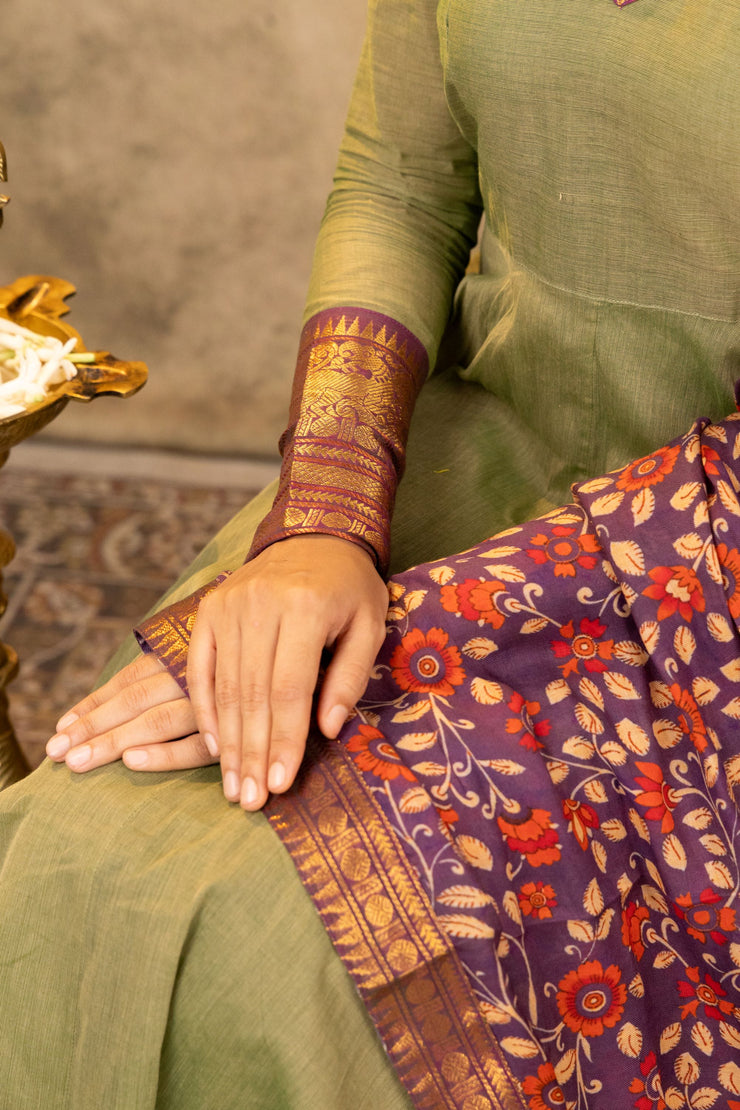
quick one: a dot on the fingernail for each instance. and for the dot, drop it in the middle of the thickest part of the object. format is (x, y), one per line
(231, 786)
(276, 777)
(78, 757)
(136, 759)
(249, 792)
(210, 741)
(336, 718)
(67, 720)
(57, 746)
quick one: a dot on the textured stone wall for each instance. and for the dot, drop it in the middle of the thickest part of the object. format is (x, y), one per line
(172, 160)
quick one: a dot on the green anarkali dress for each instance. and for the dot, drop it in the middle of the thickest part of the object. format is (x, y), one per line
(156, 945)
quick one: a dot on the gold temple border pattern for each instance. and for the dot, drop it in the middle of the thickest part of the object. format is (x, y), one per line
(381, 925)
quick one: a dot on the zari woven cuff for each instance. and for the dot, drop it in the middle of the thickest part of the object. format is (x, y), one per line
(357, 378)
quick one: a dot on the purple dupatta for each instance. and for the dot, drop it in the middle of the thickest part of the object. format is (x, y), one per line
(525, 844)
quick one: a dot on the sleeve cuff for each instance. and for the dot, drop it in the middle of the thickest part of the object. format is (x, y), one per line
(357, 379)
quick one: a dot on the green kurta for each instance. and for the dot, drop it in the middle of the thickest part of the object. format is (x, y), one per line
(156, 948)
(606, 313)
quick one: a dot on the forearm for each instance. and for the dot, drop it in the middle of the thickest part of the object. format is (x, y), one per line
(395, 238)
(394, 241)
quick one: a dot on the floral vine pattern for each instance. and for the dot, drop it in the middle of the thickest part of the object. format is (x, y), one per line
(553, 731)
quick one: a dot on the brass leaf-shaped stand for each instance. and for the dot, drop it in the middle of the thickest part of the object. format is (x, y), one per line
(38, 302)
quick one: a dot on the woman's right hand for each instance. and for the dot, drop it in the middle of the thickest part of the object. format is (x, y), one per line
(256, 650)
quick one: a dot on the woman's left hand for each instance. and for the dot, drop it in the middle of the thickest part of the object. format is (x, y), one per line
(141, 716)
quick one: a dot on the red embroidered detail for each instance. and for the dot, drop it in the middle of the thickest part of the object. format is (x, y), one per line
(591, 998)
(426, 663)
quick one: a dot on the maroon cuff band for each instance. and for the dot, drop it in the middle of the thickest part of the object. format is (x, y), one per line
(357, 379)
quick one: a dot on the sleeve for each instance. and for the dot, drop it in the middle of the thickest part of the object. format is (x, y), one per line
(395, 238)
(405, 207)
(396, 235)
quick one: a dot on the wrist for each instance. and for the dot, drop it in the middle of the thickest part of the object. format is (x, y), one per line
(318, 543)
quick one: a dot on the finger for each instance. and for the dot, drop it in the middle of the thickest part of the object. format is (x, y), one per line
(127, 703)
(228, 676)
(169, 720)
(244, 714)
(140, 668)
(348, 673)
(201, 674)
(179, 755)
(295, 671)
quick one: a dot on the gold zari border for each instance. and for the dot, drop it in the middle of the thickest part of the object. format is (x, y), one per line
(167, 633)
(380, 922)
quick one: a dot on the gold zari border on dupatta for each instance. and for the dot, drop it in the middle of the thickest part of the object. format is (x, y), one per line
(167, 633)
(380, 923)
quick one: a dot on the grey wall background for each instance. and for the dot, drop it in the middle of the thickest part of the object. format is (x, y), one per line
(172, 159)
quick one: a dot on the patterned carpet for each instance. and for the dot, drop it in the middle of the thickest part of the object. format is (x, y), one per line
(93, 554)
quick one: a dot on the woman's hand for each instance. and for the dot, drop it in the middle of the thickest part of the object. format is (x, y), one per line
(256, 649)
(131, 717)
(252, 671)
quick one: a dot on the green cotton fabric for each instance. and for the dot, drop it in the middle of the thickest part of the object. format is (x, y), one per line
(603, 145)
(158, 950)
(156, 946)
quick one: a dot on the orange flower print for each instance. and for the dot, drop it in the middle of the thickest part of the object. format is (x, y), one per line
(537, 900)
(542, 1089)
(656, 795)
(375, 755)
(649, 470)
(649, 1088)
(424, 664)
(531, 731)
(534, 836)
(582, 647)
(591, 998)
(474, 599)
(706, 918)
(676, 588)
(564, 549)
(729, 560)
(690, 719)
(709, 458)
(633, 917)
(581, 818)
(708, 994)
(447, 818)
